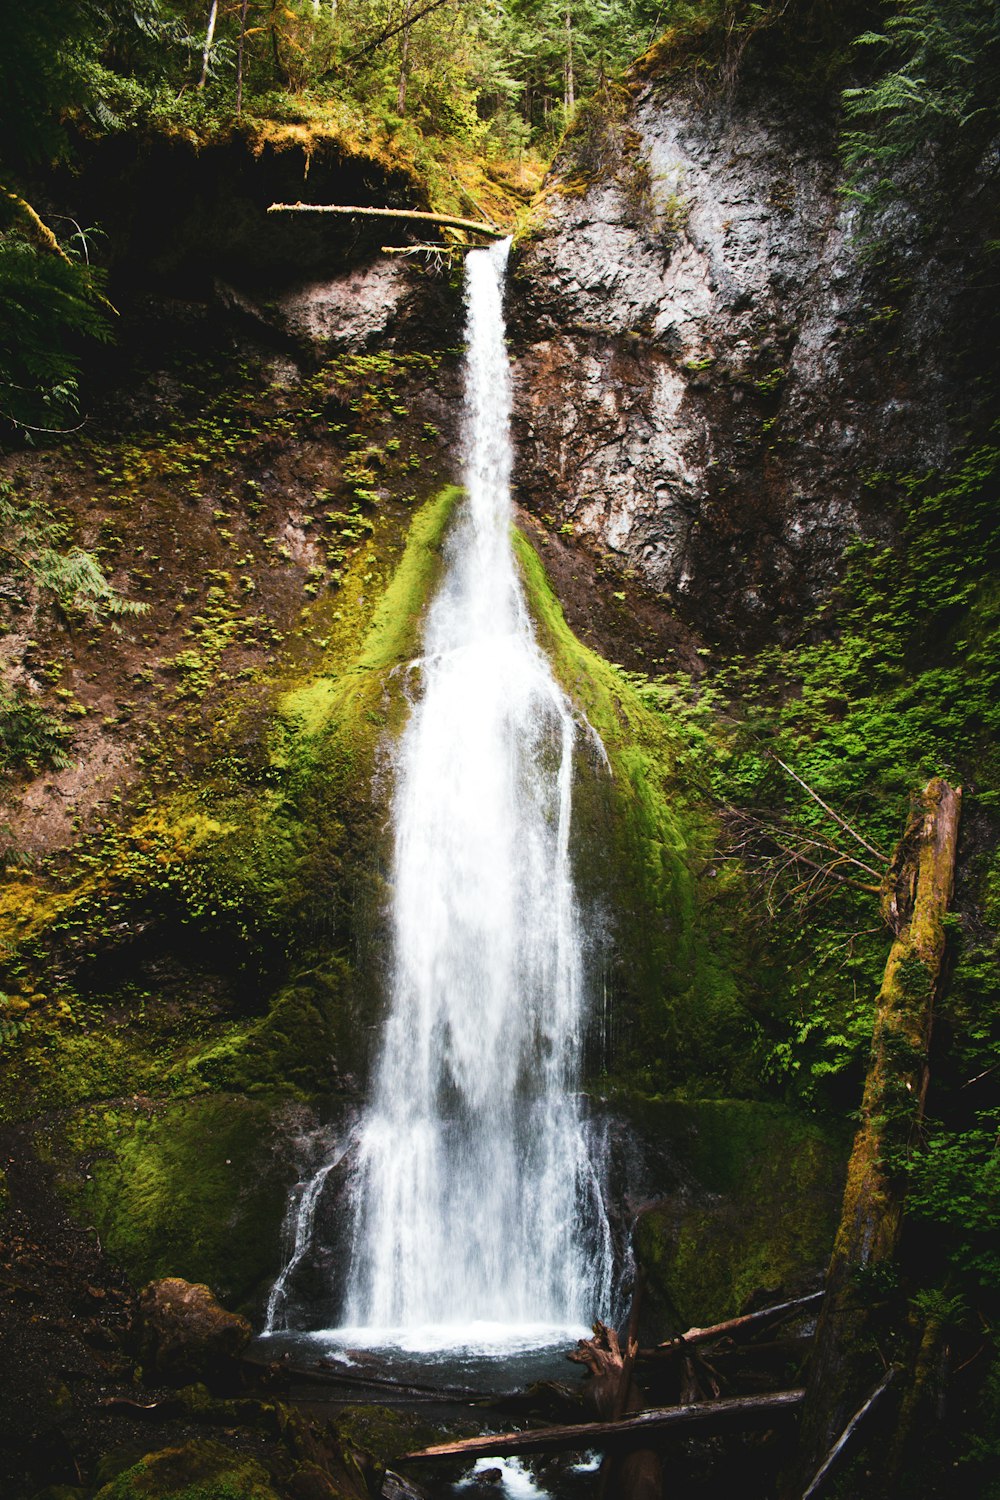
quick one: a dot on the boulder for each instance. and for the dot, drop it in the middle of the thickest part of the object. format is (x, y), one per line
(202, 1469)
(187, 1335)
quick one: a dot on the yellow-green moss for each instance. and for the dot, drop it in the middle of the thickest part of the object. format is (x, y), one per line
(250, 887)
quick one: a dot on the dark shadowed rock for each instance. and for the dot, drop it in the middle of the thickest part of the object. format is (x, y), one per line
(187, 1335)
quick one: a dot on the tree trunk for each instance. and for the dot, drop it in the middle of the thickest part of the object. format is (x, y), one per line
(570, 92)
(846, 1362)
(280, 71)
(239, 57)
(206, 56)
(404, 61)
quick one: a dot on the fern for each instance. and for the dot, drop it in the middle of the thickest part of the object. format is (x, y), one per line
(78, 582)
(31, 737)
(32, 551)
(936, 89)
(49, 303)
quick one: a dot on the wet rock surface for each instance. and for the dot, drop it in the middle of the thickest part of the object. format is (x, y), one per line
(710, 373)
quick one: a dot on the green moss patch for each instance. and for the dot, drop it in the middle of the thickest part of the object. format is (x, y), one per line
(199, 1470)
(644, 841)
(190, 1189)
(761, 1212)
(385, 1432)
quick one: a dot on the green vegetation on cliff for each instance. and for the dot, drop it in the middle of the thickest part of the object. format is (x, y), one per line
(173, 1093)
(647, 864)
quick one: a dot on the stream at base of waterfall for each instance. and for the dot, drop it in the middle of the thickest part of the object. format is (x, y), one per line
(478, 1230)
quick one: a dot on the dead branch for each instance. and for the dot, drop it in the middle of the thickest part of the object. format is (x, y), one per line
(746, 1323)
(390, 31)
(776, 830)
(424, 249)
(414, 215)
(829, 810)
(836, 1454)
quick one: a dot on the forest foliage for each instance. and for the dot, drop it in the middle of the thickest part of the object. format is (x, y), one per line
(497, 80)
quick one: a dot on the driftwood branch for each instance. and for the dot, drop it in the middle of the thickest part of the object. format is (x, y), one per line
(706, 1416)
(413, 215)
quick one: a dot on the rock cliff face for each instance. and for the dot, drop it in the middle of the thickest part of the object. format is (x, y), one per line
(709, 371)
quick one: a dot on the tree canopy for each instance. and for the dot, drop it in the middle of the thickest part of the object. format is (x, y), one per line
(497, 79)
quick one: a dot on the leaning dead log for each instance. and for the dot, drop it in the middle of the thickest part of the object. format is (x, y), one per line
(842, 1447)
(704, 1417)
(845, 1360)
(411, 215)
(746, 1323)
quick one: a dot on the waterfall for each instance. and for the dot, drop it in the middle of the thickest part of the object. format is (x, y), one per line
(476, 1199)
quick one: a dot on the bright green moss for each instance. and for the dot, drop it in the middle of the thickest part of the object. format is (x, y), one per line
(188, 1189)
(644, 844)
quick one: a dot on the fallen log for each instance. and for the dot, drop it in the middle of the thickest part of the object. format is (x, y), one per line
(743, 1324)
(439, 249)
(412, 215)
(915, 897)
(706, 1417)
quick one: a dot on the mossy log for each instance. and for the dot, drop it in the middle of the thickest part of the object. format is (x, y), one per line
(915, 894)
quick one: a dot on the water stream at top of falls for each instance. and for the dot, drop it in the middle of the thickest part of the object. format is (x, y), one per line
(476, 1203)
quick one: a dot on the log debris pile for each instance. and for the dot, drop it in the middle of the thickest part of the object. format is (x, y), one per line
(694, 1385)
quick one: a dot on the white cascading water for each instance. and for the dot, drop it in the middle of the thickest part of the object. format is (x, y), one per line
(477, 1201)
(478, 1215)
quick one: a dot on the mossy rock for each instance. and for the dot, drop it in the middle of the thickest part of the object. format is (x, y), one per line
(200, 1470)
(760, 1213)
(192, 1188)
(384, 1432)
